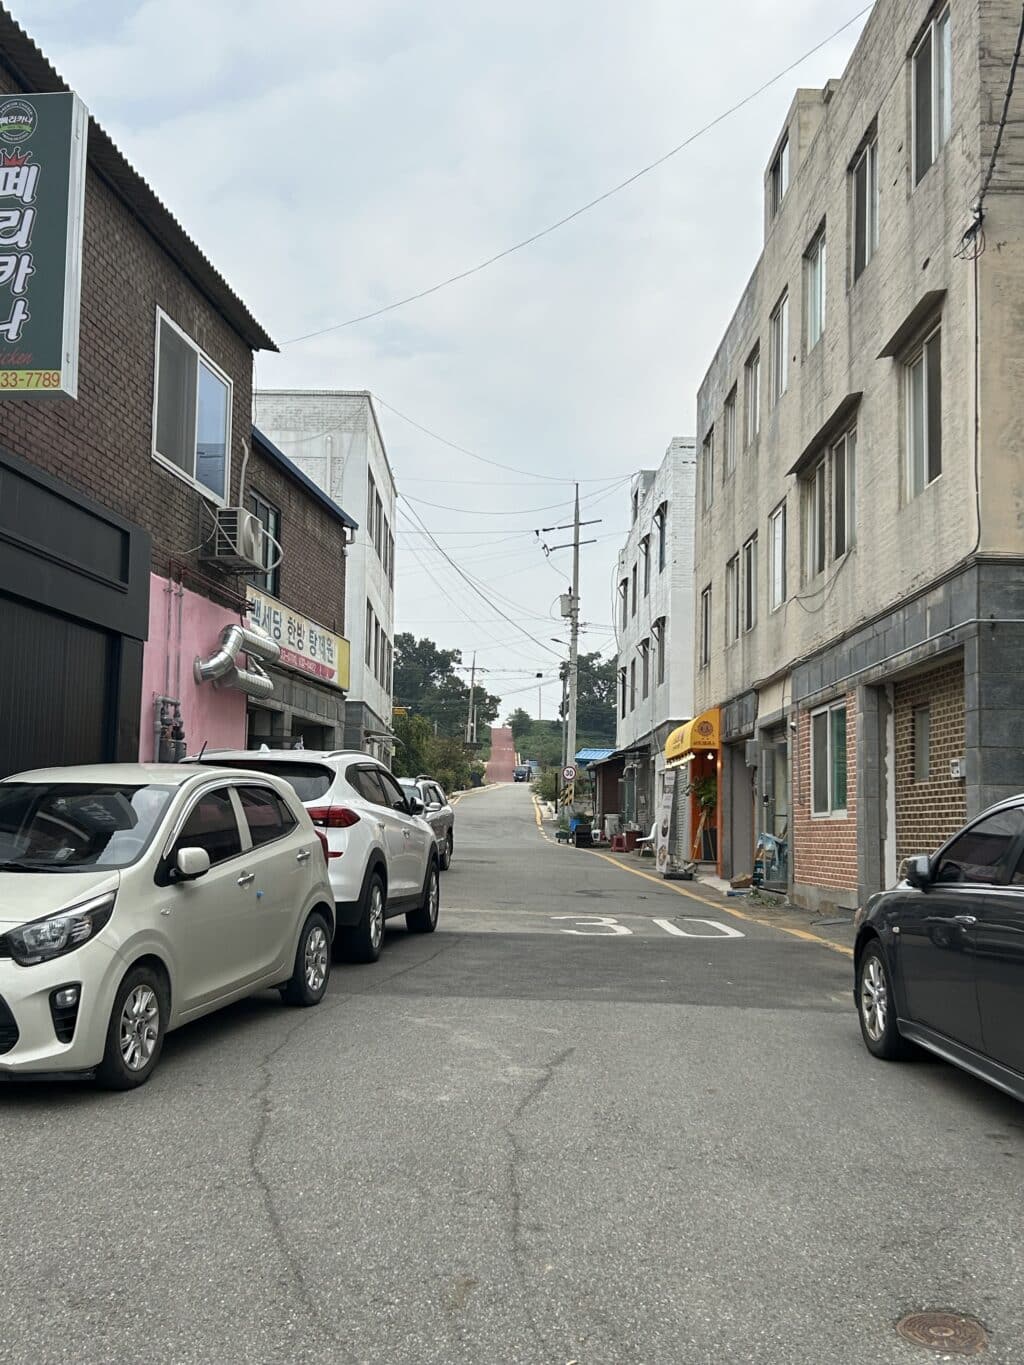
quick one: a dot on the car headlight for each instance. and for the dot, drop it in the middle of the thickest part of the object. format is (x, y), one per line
(43, 939)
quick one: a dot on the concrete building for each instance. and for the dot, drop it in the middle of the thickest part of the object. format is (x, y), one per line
(860, 627)
(653, 615)
(334, 438)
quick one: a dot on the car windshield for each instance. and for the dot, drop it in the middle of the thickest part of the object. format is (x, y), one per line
(310, 780)
(65, 826)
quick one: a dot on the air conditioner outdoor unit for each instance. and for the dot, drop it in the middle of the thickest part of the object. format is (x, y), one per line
(237, 542)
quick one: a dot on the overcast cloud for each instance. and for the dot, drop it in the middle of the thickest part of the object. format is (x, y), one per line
(330, 158)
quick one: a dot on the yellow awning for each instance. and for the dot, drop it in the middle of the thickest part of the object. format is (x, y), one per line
(703, 732)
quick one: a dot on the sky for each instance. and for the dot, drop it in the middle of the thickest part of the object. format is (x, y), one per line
(332, 158)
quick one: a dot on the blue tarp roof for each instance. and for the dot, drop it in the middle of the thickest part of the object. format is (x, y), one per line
(593, 755)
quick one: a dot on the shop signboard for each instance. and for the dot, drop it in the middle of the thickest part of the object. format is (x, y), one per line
(664, 827)
(42, 208)
(306, 646)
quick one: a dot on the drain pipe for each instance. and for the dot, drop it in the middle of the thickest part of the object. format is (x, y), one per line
(222, 668)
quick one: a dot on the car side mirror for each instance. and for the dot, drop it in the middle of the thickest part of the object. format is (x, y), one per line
(434, 806)
(416, 806)
(190, 864)
(919, 871)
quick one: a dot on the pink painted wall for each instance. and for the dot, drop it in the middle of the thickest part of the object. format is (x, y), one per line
(183, 625)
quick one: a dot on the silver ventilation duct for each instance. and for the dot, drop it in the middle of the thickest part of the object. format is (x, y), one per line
(223, 669)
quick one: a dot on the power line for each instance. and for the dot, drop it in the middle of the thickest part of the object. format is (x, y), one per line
(1002, 119)
(584, 208)
(517, 511)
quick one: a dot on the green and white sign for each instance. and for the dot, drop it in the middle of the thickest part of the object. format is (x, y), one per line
(42, 203)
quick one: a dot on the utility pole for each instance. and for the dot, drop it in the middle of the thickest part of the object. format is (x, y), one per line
(574, 634)
(471, 718)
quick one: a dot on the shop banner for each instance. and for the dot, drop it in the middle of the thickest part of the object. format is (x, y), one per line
(306, 647)
(42, 208)
(664, 822)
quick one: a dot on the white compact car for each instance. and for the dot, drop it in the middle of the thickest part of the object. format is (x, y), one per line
(382, 856)
(137, 897)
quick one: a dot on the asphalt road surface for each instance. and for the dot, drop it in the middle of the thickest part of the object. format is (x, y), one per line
(590, 1120)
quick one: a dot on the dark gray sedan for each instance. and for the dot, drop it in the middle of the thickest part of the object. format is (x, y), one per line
(939, 959)
(438, 813)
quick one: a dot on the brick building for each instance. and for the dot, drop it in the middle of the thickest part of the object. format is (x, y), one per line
(112, 577)
(858, 555)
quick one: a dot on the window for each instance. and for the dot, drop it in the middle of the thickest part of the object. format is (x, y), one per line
(922, 743)
(777, 557)
(815, 521)
(975, 856)
(636, 504)
(814, 290)
(393, 794)
(705, 627)
(645, 668)
(645, 554)
(933, 103)
(211, 825)
(924, 416)
(661, 525)
(371, 509)
(369, 634)
(192, 421)
(752, 394)
(633, 592)
(391, 558)
(707, 470)
(732, 599)
(729, 433)
(270, 519)
(844, 493)
(659, 645)
(367, 784)
(779, 358)
(865, 206)
(624, 602)
(828, 760)
(267, 816)
(376, 648)
(632, 684)
(779, 177)
(750, 583)
(385, 545)
(622, 692)
(378, 528)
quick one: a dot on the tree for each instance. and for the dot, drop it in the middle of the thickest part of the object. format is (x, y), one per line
(519, 722)
(426, 681)
(595, 697)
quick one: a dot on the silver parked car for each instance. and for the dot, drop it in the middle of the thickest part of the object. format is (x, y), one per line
(137, 897)
(438, 813)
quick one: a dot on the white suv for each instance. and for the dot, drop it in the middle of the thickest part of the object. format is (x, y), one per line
(382, 857)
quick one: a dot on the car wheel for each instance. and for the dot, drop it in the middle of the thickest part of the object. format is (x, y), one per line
(423, 920)
(135, 1034)
(312, 964)
(363, 941)
(446, 853)
(876, 1007)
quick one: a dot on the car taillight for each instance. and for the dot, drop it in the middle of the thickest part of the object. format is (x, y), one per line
(333, 817)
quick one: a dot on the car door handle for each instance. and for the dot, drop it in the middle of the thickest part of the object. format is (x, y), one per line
(247, 879)
(965, 919)
(303, 856)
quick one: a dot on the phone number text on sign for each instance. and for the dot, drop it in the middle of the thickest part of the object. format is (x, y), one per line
(29, 379)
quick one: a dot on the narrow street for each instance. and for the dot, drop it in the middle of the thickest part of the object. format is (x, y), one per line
(591, 1119)
(503, 755)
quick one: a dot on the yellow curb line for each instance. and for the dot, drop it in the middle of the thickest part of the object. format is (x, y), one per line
(803, 934)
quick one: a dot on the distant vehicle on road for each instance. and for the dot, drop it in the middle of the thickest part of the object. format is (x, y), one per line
(522, 773)
(382, 856)
(939, 959)
(438, 813)
(137, 897)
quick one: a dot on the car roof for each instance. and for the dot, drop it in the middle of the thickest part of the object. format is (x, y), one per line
(115, 774)
(211, 756)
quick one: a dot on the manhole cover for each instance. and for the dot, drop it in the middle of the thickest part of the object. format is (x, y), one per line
(949, 1332)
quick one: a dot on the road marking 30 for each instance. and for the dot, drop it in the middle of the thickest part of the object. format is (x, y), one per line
(607, 926)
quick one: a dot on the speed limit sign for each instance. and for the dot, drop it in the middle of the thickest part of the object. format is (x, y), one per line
(569, 773)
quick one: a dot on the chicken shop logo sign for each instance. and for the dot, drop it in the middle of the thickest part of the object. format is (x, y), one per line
(17, 122)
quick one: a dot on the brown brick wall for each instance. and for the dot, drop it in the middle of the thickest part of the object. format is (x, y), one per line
(101, 443)
(312, 578)
(928, 812)
(825, 848)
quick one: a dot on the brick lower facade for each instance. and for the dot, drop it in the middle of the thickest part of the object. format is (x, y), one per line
(928, 812)
(825, 847)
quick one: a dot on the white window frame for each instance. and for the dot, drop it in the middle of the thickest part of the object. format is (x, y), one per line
(705, 626)
(729, 434)
(830, 811)
(864, 234)
(844, 516)
(939, 32)
(659, 635)
(919, 356)
(815, 519)
(815, 289)
(215, 369)
(645, 668)
(645, 552)
(707, 466)
(752, 395)
(732, 599)
(777, 557)
(661, 517)
(778, 332)
(632, 685)
(779, 176)
(749, 612)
